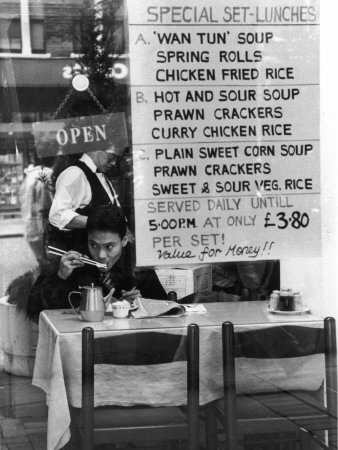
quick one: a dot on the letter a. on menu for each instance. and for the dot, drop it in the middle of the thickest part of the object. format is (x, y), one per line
(140, 39)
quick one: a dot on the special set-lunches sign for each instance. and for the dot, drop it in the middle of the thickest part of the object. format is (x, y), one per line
(225, 116)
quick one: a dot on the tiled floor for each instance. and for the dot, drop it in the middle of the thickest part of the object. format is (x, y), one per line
(23, 420)
(23, 414)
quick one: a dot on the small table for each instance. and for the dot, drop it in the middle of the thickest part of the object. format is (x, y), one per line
(58, 361)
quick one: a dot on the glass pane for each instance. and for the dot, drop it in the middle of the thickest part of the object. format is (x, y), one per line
(37, 36)
(201, 120)
(10, 35)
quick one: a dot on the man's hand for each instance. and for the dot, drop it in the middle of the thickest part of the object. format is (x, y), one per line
(69, 261)
(130, 295)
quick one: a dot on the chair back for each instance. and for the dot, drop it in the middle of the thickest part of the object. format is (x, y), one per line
(282, 342)
(140, 349)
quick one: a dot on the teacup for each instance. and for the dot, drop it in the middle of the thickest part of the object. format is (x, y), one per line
(121, 309)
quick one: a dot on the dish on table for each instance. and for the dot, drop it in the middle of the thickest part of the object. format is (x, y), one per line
(109, 310)
(288, 313)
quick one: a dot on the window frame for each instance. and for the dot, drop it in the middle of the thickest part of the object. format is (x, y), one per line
(37, 21)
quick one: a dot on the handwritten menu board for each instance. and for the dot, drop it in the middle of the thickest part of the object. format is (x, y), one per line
(225, 120)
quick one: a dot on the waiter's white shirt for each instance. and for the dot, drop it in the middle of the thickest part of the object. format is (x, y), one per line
(73, 191)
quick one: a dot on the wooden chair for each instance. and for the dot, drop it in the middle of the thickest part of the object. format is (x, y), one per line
(288, 411)
(132, 424)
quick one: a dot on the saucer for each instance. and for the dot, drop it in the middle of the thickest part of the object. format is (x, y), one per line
(288, 313)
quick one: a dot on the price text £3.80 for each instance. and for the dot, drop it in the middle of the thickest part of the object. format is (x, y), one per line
(295, 220)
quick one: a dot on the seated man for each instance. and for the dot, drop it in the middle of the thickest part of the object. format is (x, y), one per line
(108, 244)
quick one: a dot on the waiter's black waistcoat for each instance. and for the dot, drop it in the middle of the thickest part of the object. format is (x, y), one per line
(73, 239)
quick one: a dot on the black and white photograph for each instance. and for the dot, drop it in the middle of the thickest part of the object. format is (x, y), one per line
(168, 225)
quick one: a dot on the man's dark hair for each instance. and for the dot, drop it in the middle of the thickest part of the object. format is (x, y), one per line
(107, 218)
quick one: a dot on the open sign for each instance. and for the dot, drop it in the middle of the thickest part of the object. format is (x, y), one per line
(80, 134)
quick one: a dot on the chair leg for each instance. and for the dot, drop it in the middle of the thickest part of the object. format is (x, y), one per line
(331, 376)
(211, 426)
(88, 389)
(230, 412)
(193, 387)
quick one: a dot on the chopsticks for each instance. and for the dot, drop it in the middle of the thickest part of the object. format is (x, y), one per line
(59, 252)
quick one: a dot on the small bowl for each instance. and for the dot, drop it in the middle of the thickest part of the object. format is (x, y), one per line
(121, 309)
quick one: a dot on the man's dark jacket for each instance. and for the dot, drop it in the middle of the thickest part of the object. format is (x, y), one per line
(51, 292)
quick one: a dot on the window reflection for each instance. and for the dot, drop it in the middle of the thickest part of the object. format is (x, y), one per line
(37, 36)
(54, 38)
(10, 35)
(246, 280)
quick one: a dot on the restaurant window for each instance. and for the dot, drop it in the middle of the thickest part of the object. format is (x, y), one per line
(37, 36)
(10, 35)
(216, 106)
(65, 30)
(256, 84)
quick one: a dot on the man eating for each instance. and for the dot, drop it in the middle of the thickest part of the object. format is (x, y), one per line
(108, 245)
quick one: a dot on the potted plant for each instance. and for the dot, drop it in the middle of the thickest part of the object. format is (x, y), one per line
(18, 334)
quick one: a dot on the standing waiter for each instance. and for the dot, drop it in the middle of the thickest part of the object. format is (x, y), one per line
(78, 189)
